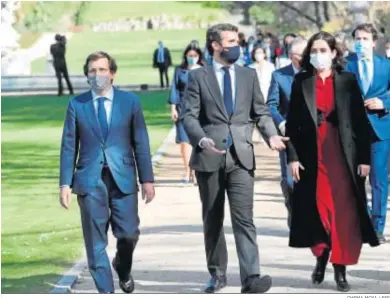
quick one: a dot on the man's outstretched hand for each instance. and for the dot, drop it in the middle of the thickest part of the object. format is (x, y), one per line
(277, 142)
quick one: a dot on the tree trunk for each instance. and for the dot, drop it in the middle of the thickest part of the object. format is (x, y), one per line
(325, 5)
(246, 5)
(317, 11)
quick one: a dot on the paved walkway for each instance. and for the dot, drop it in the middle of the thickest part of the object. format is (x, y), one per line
(170, 255)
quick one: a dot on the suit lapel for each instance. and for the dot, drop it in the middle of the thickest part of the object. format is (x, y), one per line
(115, 114)
(239, 97)
(211, 82)
(91, 116)
(308, 88)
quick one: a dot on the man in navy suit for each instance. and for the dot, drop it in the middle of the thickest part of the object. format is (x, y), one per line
(373, 73)
(278, 102)
(104, 144)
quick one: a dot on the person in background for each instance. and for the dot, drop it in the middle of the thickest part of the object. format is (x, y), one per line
(329, 157)
(162, 60)
(284, 60)
(380, 45)
(263, 69)
(278, 102)
(251, 45)
(192, 59)
(58, 51)
(269, 45)
(373, 72)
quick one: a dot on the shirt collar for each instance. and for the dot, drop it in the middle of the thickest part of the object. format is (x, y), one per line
(296, 70)
(218, 66)
(109, 96)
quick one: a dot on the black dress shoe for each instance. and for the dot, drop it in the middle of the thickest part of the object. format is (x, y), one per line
(215, 284)
(318, 274)
(126, 283)
(257, 284)
(381, 238)
(340, 278)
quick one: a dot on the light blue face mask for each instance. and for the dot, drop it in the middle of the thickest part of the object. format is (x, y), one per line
(99, 82)
(192, 60)
(363, 47)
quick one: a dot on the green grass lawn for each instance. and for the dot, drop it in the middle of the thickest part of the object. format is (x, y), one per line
(133, 52)
(39, 239)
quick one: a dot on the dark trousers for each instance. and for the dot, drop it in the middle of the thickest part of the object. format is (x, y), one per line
(108, 205)
(64, 71)
(238, 183)
(287, 184)
(163, 70)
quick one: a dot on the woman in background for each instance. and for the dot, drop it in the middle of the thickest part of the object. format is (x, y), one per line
(329, 155)
(263, 69)
(192, 59)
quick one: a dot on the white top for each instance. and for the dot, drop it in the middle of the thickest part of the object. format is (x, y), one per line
(219, 72)
(107, 103)
(264, 75)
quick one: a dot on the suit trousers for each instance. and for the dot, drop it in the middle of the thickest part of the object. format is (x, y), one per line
(163, 70)
(287, 184)
(239, 185)
(108, 205)
(62, 70)
(380, 155)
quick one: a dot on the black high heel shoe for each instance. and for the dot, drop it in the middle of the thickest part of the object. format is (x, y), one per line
(318, 274)
(340, 278)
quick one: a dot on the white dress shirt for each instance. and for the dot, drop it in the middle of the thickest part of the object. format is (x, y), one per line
(107, 103)
(264, 75)
(219, 72)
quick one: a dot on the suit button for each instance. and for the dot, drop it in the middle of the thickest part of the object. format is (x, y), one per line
(229, 123)
(224, 141)
(101, 162)
(347, 126)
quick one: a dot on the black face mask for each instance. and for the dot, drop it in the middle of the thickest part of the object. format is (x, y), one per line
(231, 54)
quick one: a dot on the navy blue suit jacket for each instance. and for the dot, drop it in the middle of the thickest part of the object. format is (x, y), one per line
(380, 86)
(126, 147)
(279, 93)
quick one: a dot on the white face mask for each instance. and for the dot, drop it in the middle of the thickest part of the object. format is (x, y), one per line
(259, 57)
(321, 61)
(388, 53)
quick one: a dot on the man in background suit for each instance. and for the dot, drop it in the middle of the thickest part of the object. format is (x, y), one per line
(104, 144)
(162, 60)
(222, 102)
(373, 73)
(58, 50)
(278, 102)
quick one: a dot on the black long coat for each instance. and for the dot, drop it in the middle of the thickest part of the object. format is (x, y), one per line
(301, 126)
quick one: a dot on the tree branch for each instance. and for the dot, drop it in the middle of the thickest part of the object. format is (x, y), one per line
(325, 5)
(293, 8)
(317, 12)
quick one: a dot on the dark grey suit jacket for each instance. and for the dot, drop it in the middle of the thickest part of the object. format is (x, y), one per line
(204, 115)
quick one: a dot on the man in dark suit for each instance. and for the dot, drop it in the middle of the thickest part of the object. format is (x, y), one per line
(104, 144)
(162, 60)
(373, 73)
(58, 50)
(278, 102)
(222, 102)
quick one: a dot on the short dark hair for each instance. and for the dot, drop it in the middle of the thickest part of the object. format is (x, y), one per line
(214, 34)
(255, 48)
(338, 61)
(98, 55)
(191, 47)
(366, 27)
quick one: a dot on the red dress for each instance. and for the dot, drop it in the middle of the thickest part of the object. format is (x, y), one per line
(336, 200)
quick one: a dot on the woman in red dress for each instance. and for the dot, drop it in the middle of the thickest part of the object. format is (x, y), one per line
(329, 156)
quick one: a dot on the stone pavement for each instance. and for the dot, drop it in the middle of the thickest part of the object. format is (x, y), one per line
(170, 255)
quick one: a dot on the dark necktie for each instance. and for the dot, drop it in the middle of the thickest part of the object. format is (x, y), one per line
(228, 98)
(102, 116)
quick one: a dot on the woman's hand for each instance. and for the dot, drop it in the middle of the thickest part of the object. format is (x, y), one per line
(295, 166)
